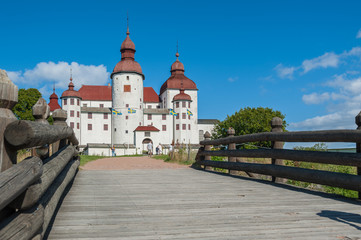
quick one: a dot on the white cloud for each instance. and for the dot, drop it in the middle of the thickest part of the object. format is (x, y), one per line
(46, 73)
(358, 34)
(232, 79)
(328, 59)
(285, 72)
(315, 98)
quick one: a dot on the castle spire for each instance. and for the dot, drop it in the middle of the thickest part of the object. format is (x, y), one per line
(127, 24)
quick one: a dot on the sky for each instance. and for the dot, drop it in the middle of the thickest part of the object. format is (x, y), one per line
(302, 58)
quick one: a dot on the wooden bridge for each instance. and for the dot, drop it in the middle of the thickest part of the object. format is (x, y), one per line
(170, 204)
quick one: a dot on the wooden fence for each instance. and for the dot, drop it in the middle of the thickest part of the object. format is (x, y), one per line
(276, 153)
(31, 189)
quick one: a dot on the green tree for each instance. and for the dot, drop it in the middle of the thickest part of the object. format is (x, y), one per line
(26, 100)
(249, 120)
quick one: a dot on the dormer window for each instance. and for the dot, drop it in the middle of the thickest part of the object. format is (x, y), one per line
(127, 77)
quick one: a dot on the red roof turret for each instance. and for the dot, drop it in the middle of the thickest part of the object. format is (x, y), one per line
(54, 103)
(182, 96)
(71, 92)
(127, 63)
(178, 80)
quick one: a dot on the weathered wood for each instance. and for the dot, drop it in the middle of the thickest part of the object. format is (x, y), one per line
(26, 134)
(8, 99)
(52, 196)
(276, 125)
(73, 140)
(303, 136)
(59, 116)
(337, 158)
(358, 145)
(207, 137)
(231, 146)
(51, 169)
(16, 179)
(342, 180)
(22, 225)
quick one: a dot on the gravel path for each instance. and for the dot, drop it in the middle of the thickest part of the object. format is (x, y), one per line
(128, 163)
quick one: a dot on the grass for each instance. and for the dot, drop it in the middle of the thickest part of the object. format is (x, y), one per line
(84, 159)
(180, 157)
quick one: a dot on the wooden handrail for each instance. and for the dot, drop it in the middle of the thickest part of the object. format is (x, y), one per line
(336, 158)
(302, 136)
(27, 134)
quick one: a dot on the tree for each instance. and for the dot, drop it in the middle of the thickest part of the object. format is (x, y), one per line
(26, 100)
(247, 121)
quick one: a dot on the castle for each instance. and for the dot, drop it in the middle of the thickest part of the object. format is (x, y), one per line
(128, 115)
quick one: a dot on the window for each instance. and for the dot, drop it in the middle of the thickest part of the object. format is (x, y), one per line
(77, 125)
(184, 116)
(90, 115)
(85, 105)
(77, 114)
(101, 105)
(149, 106)
(184, 126)
(177, 117)
(65, 101)
(105, 116)
(127, 77)
(126, 117)
(177, 104)
(71, 113)
(126, 131)
(164, 127)
(189, 104)
(140, 123)
(78, 102)
(140, 106)
(146, 134)
(164, 116)
(105, 127)
(90, 127)
(177, 127)
(149, 116)
(72, 101)
(189, 117)
(183, 104)
(126, 88)
(189, 127)
(140, 99)
(127, 105)
(72, 125)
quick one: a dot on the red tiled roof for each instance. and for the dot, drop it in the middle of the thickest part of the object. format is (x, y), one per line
(54, 104)
(95, 92)
(147, 128)
(149, 95)
(127, 66)
(182, 96)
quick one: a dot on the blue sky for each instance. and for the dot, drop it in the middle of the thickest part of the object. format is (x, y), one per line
(300, 57)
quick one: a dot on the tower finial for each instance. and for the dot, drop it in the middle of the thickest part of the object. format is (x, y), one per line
(71, 74)
(53, 86)
(127, 23)
(177, 54)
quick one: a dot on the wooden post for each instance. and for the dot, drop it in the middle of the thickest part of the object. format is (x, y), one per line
(59, 116)
(8, 99)
(207, 136)
(41, 111)
(276, 125)
(231, 146)
(358, 145)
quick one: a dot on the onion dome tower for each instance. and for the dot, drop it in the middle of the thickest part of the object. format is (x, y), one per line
(71, 101)
(54, 101)
(127, 93)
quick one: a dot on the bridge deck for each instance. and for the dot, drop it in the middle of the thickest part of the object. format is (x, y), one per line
(192, 204)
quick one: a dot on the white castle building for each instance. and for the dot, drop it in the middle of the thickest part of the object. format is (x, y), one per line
(129, 115)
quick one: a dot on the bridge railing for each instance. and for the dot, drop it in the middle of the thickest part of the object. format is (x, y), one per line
(276, 153)
(31, 189)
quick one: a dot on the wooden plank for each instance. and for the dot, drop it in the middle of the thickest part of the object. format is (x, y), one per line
(16, 179)
(27, 134)
(191, 204)
(51, 169)
(336, 158)
(302, 136)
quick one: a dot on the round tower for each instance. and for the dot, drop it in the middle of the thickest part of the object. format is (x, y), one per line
(181, 103)
(54, 102)
(70, 102)
(127, 95)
